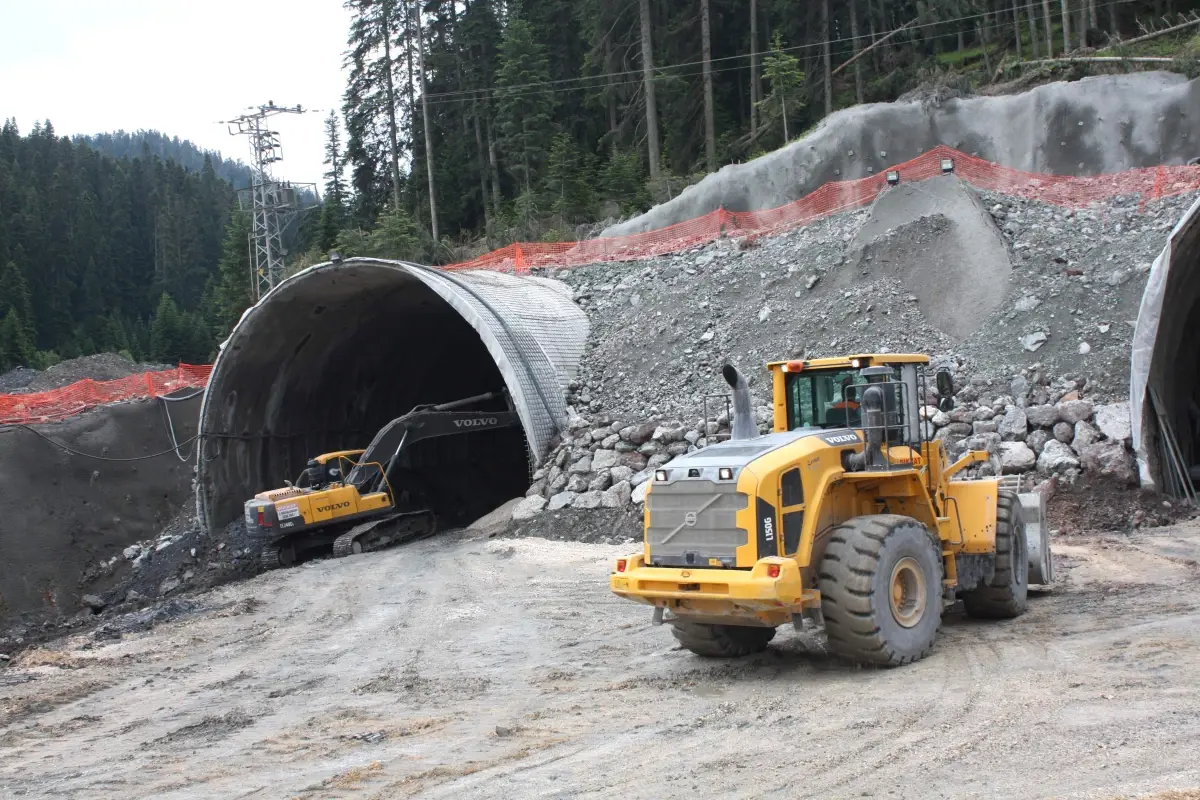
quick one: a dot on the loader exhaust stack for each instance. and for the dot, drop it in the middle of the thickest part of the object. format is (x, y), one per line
(743, 424)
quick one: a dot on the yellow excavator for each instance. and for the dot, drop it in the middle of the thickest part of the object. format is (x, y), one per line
(847, 516)
(361, 500)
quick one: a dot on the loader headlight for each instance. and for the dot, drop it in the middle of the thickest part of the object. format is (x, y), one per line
(856, 363)
(725, 473)
(660, 476)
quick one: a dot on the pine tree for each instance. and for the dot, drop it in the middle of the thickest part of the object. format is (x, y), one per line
(166, 344)
(333, 209)
(395, 237)
(524, 115)
(15, 292)
(786, 97)
(232, 290)
(569, 182)
(15, 348)
(624, 182)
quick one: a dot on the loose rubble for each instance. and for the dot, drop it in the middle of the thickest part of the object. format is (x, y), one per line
(1031, 394)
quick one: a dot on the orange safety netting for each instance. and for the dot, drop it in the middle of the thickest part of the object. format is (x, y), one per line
(57, 404)
(1149, 183)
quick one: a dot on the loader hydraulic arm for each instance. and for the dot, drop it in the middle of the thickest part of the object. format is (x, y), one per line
(971, 457)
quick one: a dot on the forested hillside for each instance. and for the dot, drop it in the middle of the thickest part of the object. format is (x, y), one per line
(543, 114)
(152, 144)
(105, 254)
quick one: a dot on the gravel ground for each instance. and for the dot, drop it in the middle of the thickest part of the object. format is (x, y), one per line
(461, 667)
(99, 367)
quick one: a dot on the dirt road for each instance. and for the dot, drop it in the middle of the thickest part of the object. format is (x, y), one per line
(503, 669)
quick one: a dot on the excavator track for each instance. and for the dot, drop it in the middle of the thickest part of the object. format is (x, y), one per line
(276, 557)
(380, 533)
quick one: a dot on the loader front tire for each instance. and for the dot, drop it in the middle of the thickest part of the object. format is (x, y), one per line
(722, 641)
(881, 590)
(1006, 595)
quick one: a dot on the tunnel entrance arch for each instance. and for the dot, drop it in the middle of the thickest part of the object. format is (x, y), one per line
(1165, 363)
(335, 352)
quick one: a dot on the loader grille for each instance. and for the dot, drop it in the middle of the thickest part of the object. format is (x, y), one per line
(693, 521)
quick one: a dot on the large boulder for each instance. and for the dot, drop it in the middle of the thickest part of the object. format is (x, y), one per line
(589, 500)
(1037, 440)
(1064, 432)
(528, 508)
(1111, 460)
(582, 466)
(617, 496)
(1056, 457)
(1085, 435)
(1114, 422)
(635, 461)
(605, 459)
(1073, 411)
(639, 492)
(561, 501)
(638, 434)
(1013, 425)
(1043, 416)
(1016, 457)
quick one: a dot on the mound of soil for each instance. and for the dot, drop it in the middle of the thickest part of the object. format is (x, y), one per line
(1097, 505)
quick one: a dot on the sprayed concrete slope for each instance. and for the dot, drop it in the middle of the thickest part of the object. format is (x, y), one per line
(62, 514)
(1088, 127)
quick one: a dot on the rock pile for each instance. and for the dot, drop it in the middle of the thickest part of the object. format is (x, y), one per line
(1033, 424)
(662, 328)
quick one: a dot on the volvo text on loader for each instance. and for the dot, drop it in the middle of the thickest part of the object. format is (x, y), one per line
(846, 514)
(359, 500)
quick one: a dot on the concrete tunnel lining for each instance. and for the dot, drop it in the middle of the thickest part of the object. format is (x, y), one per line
(339, 349)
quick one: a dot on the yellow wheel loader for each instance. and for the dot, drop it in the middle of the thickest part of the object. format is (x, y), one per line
(848, 515)
(361, 500)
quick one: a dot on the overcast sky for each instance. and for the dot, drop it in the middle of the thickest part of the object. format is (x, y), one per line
(104, 65)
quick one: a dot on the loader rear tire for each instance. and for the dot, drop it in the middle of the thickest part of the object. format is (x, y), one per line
(881, 590)
(722, 641)
(1006, 595)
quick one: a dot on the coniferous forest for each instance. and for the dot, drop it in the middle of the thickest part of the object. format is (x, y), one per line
(469, 124)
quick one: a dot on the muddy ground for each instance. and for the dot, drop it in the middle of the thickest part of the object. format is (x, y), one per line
(500, 668)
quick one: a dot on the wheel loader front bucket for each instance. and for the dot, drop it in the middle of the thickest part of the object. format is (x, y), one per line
(1037, 537)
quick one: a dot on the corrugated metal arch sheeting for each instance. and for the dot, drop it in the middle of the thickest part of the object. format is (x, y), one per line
(530, 326)
(1150, 335)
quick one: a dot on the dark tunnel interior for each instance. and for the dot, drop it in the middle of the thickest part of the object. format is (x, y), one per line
(1175, 370)
(332, 359)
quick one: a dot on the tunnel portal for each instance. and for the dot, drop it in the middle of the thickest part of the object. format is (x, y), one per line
(335, 352)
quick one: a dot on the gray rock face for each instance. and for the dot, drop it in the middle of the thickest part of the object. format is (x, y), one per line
(589, 500)
(528, 508)
(1064, 432)
(582, 466)
(577, 484)
(1073, 411)
(638, 434)
(1113, 421)
(639, 492)
(1014, 425)
(1016, 457)
(1111, 460)
(1042, 415)
(1056, 457)
(93, 601)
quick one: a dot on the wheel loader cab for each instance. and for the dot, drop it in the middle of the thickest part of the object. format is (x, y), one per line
(844, 512)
